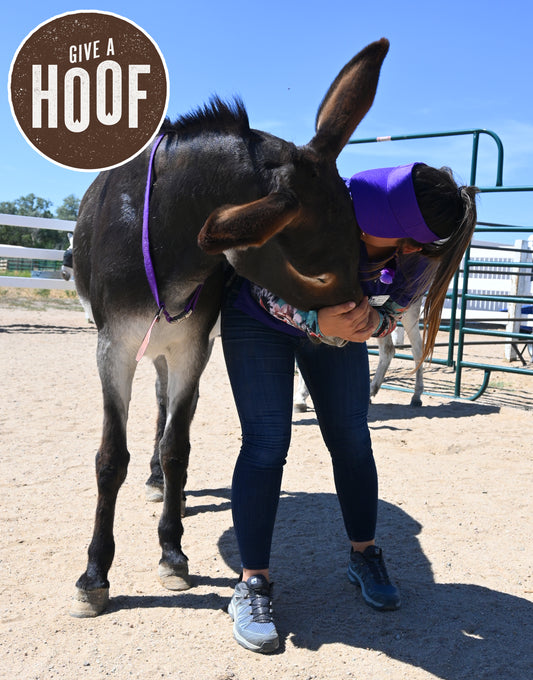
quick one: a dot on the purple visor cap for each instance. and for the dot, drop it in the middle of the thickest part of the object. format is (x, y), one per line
(385, 204)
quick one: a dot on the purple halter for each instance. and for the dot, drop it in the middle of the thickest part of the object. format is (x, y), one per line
(149, 267)
(385, 204)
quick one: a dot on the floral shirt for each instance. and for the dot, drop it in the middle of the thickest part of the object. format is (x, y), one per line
(389, 315)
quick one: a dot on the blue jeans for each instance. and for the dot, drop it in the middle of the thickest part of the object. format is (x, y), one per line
(260, 363)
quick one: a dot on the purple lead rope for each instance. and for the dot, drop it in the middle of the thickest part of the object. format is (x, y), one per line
(149, 267)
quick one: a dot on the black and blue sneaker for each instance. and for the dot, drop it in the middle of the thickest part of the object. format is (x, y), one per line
(367, 570)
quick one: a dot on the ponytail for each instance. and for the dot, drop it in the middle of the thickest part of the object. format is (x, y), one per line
(450, 212)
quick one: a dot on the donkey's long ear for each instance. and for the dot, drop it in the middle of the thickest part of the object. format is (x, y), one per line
(251, 224)
(348, 100)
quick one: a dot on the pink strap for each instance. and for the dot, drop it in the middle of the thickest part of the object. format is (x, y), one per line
(144, 343)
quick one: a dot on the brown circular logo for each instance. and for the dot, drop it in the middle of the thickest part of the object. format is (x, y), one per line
(88, 90)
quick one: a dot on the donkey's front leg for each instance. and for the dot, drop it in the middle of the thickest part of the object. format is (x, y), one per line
(112, 461)
(386, 353)
(174, 449)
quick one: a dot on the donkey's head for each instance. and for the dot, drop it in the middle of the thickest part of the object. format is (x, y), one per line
(302, 235)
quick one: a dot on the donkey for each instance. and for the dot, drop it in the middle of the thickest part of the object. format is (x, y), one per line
(386, 346)
(221, 193)
(387, 350)
(66, 265)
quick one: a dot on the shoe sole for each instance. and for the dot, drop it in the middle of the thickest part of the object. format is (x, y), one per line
(378, 606)
(264, 648)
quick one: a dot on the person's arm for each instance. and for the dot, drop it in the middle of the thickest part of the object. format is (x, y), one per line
(304, 321)
(351, 322)
(359, 323)
(390, 313)
(278, 308)
(337, 324)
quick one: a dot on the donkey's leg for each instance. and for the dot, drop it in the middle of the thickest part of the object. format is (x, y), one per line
(116, 370)
(185, 368)
(155, 484)
(410, 322)
(386, 353)
(300, 397)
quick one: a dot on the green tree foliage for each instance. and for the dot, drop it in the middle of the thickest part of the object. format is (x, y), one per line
(69, 208)
(35, 206)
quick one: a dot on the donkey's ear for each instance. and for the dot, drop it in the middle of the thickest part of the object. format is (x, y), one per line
(251, 224)
(348, 99)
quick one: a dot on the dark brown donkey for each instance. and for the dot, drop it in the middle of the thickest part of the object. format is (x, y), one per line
(220, 192)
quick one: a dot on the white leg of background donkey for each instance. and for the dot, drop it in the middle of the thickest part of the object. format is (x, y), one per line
(387, 348)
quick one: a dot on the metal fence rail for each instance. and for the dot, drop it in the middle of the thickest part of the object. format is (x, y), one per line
(475, 132)
(466, 327)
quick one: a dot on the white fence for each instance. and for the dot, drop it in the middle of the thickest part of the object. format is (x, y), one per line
(502, 279)
(41, 279)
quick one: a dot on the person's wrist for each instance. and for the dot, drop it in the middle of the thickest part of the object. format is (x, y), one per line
(380, 324)
(376, 318)
(318, 326)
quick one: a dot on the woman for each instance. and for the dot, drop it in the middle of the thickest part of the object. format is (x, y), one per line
(415, 226)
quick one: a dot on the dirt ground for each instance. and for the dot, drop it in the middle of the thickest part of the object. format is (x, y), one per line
(455, 523)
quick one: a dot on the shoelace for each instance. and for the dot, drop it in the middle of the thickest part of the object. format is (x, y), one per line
(377, 567)
(261, 607)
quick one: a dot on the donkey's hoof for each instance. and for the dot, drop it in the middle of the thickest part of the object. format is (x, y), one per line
(154, 494)
(174, 578)
(89, 603)
(416, 402)
(300, 407)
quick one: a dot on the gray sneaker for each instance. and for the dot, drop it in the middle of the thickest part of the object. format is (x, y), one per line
(251, 611)
(368, 571)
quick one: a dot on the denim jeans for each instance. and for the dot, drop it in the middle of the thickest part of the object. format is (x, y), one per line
(260, 363)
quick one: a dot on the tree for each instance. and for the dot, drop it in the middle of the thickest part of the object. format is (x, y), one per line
(8, 208)
(33, 205)
(69, 209)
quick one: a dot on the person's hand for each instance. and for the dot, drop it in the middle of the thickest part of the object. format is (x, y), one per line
(349, 321)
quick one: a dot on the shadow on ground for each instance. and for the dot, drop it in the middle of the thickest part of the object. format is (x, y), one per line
(455, 631)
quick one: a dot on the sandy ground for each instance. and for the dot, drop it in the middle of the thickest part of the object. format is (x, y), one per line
(455, 523)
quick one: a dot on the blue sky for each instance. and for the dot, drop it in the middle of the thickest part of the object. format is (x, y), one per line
(454, 65)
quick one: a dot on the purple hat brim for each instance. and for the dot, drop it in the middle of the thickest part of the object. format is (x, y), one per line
(385, 204)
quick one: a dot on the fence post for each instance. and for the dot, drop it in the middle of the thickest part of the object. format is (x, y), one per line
(520, 286)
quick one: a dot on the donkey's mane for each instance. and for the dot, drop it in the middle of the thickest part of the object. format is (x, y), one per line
(217, 116)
